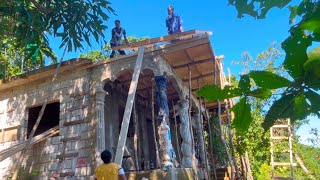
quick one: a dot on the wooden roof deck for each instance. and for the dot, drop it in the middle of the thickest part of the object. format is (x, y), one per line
(190, 50)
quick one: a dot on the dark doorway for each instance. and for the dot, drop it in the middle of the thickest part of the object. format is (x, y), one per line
(49, 119)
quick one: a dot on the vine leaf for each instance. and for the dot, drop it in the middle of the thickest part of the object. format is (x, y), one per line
(314, 99)
(312, 68)
(244, 83)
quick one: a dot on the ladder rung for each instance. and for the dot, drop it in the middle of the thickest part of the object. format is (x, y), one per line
(66, 174)
(279, 137)
(68, 155)
(70, 139)
(280, 126)
(283, 164)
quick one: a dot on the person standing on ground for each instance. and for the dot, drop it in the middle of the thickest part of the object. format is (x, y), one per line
(108, 170)
(173, 22)
(116, 39)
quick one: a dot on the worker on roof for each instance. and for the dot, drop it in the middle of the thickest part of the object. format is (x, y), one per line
(109, 170)
(173, 22)
(116, 39)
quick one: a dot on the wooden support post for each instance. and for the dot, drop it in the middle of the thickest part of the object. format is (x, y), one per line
(129, 104)
(194, 167)
(176, 132)
(158, 164)
(135, 136)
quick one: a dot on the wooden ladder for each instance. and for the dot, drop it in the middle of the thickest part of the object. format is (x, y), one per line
(288, 137)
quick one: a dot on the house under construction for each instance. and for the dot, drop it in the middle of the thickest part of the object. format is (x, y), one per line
(141, 106)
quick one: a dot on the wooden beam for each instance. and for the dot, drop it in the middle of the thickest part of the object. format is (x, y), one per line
(167, 38)
(4, 154)
(199, 77)
(193, 63)
(128, 109)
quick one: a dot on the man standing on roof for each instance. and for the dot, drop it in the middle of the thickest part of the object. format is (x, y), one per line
(116, 39)
(173, 22)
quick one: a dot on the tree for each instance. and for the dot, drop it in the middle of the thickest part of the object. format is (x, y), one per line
(300, 97)
(27, 24)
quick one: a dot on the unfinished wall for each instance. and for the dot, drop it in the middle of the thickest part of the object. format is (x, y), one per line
(72, 91)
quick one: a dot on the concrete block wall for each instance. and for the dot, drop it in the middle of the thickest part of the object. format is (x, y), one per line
(73, 93)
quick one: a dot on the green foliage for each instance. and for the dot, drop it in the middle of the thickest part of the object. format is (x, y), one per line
(265, 172)
(299, 95)
(95, 55)
(268, 80)
(242, 118)
(220, 157)
(100, 55)
(26, 26)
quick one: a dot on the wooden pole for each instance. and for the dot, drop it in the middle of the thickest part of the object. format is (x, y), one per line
(158, 164)
(176, 129)
(135, 136)
(194, 167)
(35, 126)
(128, 109)
(230, 134)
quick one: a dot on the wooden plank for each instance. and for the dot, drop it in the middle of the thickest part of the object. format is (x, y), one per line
(167, 38)
(280, 126)
(279, 137)
(193, 63)
(128, 109)
(284, 164)
(4, 154)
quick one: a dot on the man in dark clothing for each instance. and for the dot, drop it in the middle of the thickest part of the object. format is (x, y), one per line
(173, 22)
(117, 34)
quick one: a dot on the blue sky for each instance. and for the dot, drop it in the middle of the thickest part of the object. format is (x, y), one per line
(231, 36)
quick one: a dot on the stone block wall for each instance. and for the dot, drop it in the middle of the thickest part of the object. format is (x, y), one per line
(72, 91)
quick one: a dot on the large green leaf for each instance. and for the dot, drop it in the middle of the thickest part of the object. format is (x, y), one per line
(293, 106)
(281, 108)
(268, 80)
(242, 114)
(312, 69)
(244, 83)
(314, 99)
(313, 61)
(256, 8)
(295, 47)
(260, 93)
(213, 92)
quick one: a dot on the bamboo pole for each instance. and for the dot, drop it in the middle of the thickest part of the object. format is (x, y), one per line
(35, 126)
(191, 130)
(158, 165)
